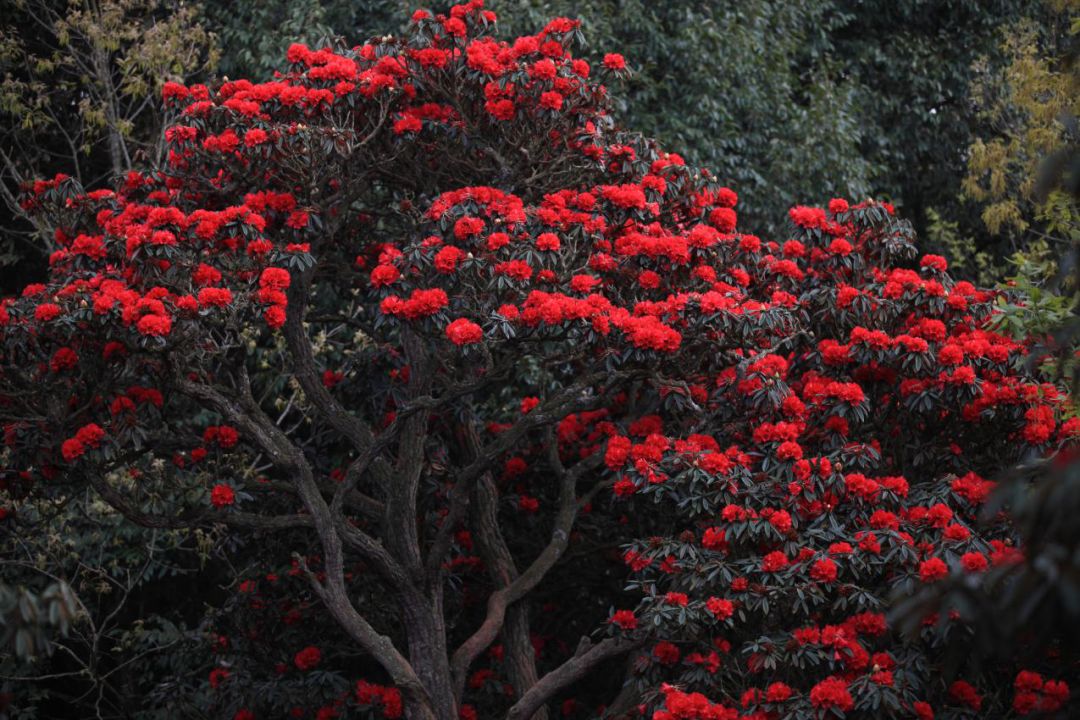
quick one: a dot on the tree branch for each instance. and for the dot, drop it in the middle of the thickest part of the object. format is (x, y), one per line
(549, 412)
(125, 507)
(516, 586)
(306, 373)
(569, 673)
(247, 416)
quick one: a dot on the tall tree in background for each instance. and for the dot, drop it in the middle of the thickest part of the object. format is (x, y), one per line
(913, 64)
(80, 82)
(1028, 111)
(746, 89)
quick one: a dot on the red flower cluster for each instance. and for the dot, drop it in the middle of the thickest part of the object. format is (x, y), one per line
(308, 658)
(832, 693)
(88, 437)
(222, 496)
(1033, 694)
(464, 332)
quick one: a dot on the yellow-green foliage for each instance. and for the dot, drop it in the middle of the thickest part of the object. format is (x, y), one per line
(1028, 108)
(1025, 107)
(78, 73)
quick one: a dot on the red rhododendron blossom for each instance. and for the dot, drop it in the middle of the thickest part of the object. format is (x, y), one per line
(932, 570)
(307, 658)
(964, 693)
(720, 609)
(276, 278)
(823, 570)
(464, 332)
(838, 205)
(88, 437)
(777, 692)
(614, 61)
(774, 562)
(832, 692)
(222, 496)
(215, 297)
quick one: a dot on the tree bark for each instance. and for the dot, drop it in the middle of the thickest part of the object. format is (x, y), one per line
(520, 654)
(425, 629)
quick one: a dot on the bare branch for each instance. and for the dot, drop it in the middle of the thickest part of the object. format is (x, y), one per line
(570, 672)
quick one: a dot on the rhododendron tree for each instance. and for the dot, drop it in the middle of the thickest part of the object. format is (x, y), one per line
(528, 421)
